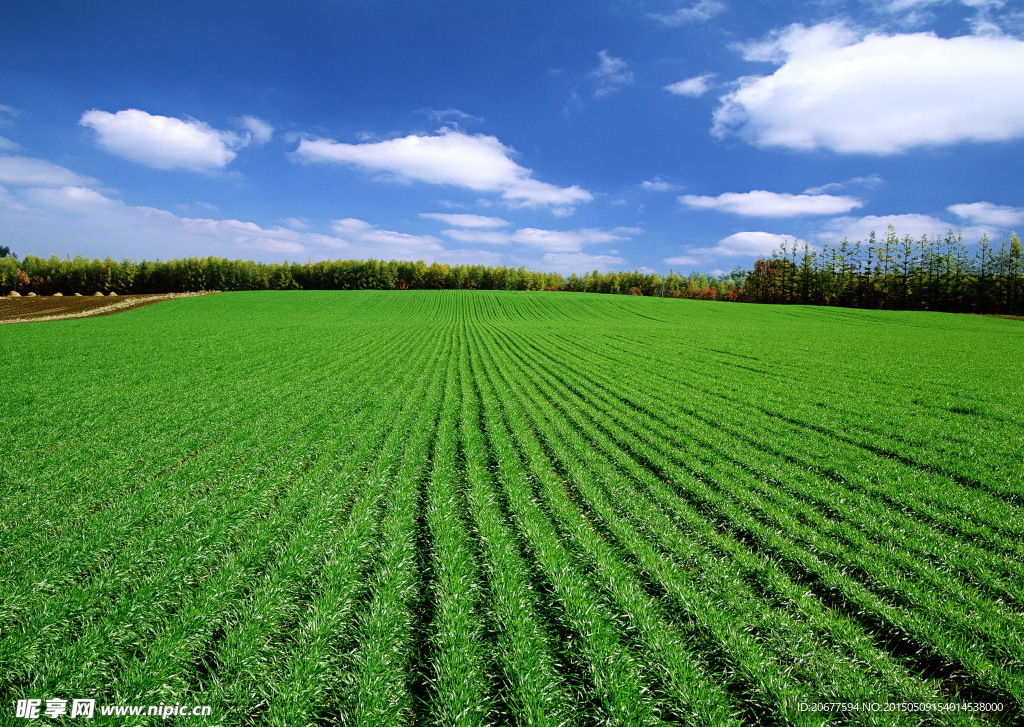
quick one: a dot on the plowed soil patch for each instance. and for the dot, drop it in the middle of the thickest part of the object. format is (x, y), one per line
(49, 308)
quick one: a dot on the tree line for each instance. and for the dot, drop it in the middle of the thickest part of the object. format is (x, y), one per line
(46, 276)
(942, 274)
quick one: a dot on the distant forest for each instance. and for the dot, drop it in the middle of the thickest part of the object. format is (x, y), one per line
(942, 274)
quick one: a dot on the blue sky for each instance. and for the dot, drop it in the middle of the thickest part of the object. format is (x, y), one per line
(562, 135)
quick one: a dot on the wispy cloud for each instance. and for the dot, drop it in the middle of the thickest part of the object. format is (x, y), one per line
(871, 181)
(554, 241)
(658, 184)
(693, 87)
(986, 213)
(761, 203)
(700, 12)
(466, 220)
(451, 116)
(611, 75)
(744, 244)
(21, 171)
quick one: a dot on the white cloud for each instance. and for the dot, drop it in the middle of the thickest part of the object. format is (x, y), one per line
(681, 260)
(878, 94)
(487, 237)
(450, 116)
(700, 12)
(761, 203)
(72, 200)
(29, 172)
(986, 213)
(610, 75)
(871, 181)
(165, 142)
(658, 184)
(477, 162)
(985, 21)
(70, 219)
(361, 235)
(554, 241)
(579, 262)
(259, 131)
(696, 86)
(915, 225)
(466, 220)
(8, 145)
(563, 241)
(745, 244)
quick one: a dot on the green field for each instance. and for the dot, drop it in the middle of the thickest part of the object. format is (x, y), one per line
(467, 508)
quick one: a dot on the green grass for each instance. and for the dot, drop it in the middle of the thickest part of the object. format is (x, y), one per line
(471, 508)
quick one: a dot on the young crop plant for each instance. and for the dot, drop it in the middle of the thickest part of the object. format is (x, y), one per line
(467, 508)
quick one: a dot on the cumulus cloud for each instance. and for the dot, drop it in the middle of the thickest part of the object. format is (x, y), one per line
(841, 90)
(986, 213)
(23, 171)
(693, 87)
(466, 220)
(610, 75)
(165, 142)
(449, 157)
(700, 12)
(760, 203)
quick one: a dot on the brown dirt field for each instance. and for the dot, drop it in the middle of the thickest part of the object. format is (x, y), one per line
(48, 308)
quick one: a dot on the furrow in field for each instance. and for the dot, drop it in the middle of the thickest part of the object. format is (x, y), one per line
(138, 580)
(614, 667)
(669, 659)
(387, 626)
(119, 503)
(323, 674)
(117, 557)
(535, 688)
(589, 454)
(462, 690)
(232, 673)
(850, 479)
(939, 619)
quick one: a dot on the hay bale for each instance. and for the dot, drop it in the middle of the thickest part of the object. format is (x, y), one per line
(97, 294)
(31, 295)
(58, 294)
(112, 293)
(15, 294)
(78, 295)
